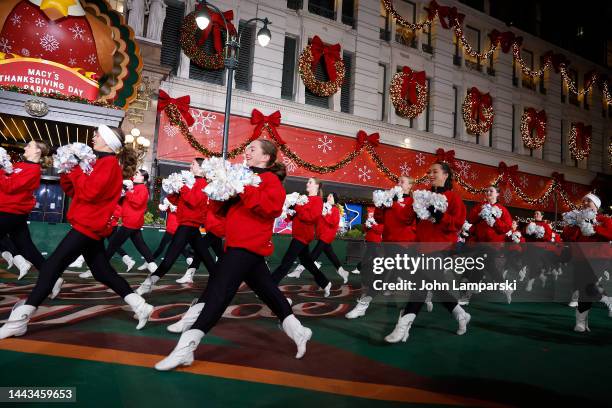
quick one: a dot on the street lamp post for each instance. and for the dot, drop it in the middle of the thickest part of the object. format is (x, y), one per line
(139, 143)
(232, 46)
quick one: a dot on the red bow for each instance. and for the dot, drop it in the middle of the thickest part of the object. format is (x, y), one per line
(181, 103)
(363, 138)
(451, 14)
(432, 10)
(505, 39)
(216, 24)
(556, 60)
(410, 80)
(589, 77)
(507, 172)
(273, 121)
(479, 101)
(583, 136)
(330, 54)
(558, 177)
(536, 120)
(445, 156)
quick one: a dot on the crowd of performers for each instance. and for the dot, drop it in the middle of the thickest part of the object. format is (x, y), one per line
(239, 232)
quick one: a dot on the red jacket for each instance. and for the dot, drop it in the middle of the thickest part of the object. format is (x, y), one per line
(306, 218)
(116, 215)
(134, 206)
(94, 196)
(603, 231)
(214, 223)
(249, 222)
(482, 232)
(547, 232)
(513, 246)
(399, 225)
(449, 226)
(17, 189)
(374, 234)
(191, 204)
(171, 222)
(327, 225)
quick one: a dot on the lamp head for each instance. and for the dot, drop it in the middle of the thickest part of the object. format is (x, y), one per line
(264, 35)
(203, 17)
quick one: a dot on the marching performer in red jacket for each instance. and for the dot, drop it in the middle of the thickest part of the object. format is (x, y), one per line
(94, 198)
(440, 228)
(538, 251)
(17, 201)
(133, 208)
(248, 240)
(589, 227)
(303, 229)
(191, 210)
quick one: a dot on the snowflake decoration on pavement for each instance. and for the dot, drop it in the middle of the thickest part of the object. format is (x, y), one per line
(4, 45)
(72, 61)
(77, 32)
(49, 43)
(203, 120)
(91, 59)
(171, 130)
(364, 173)
(16, 19)
(290, 164)
(508, 196)
(463, 168)
(524, 181)
(405, 169)
(419, 159)
(325, 145)
(40, 22)
(25, 52)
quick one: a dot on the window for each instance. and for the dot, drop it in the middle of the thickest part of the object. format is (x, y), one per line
(288, 68)
(345, 90)
(294, 4)
(527, 81)
(315, 100)
(382, 90)
(171, 48)
(456, 100)
(348, 12)
(472, 35)
(573, 98)
(427, 114)
(404, 35)
(323, 8)
(426, 40)
(384, 23)
(562, 92)
(244, 71)
(491, 136)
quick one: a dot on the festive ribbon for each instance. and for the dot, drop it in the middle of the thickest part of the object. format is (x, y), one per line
(445, 156)
(181, 103)
(432, 10)
(507, 172)
(272, 121)
(583, 135)
(505, 39)
(363, 138)
(478, 102)
(410, 80)
(215, 26)
(330, 54)
(537, 121)
(451, 14)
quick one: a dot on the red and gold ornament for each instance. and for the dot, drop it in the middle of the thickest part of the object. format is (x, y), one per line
(334, 66)
(478, 112)
(533, 128)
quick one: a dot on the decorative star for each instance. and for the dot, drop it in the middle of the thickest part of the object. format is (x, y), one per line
(54, 7)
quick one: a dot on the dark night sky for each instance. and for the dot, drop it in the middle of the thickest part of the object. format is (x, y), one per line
(560, 22)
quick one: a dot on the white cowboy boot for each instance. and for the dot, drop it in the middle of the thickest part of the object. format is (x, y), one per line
(463, 318)
(86, 275)
(187, 277)
(574, 301)
(402, 328)
(143, 267)
(22, 264)
(151, 267)
(296, 272)
(607, 300)
(188, 319)
(428, 302)
(189, 261)
(147, 285)
(360, 308)
(298, 333)
(56, 288)
(327, 290)
(141, 309)
(78, 263)
(508, 293)
(17, 323)
(344, 274)
(8, 257)
(128, 261)
(182, 355)
(582, 322)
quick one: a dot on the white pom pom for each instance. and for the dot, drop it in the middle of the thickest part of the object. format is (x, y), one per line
(587, 229)
(5, 161)
(226, 180)
(128, 184)
(326, 209)
(421, 203)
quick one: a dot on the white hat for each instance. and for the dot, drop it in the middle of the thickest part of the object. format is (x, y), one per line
(596, 200)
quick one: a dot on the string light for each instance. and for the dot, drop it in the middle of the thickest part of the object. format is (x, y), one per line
(467, 48)
(516, 52)
(528, 128)
(474, 126)
(571, 85)
(579, 152)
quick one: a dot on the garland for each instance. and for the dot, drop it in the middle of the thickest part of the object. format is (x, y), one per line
(58, 96)
(530, 121)
(408, 90)
(580, 140)
(478, 112)
(310, 57)
(193, 49)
